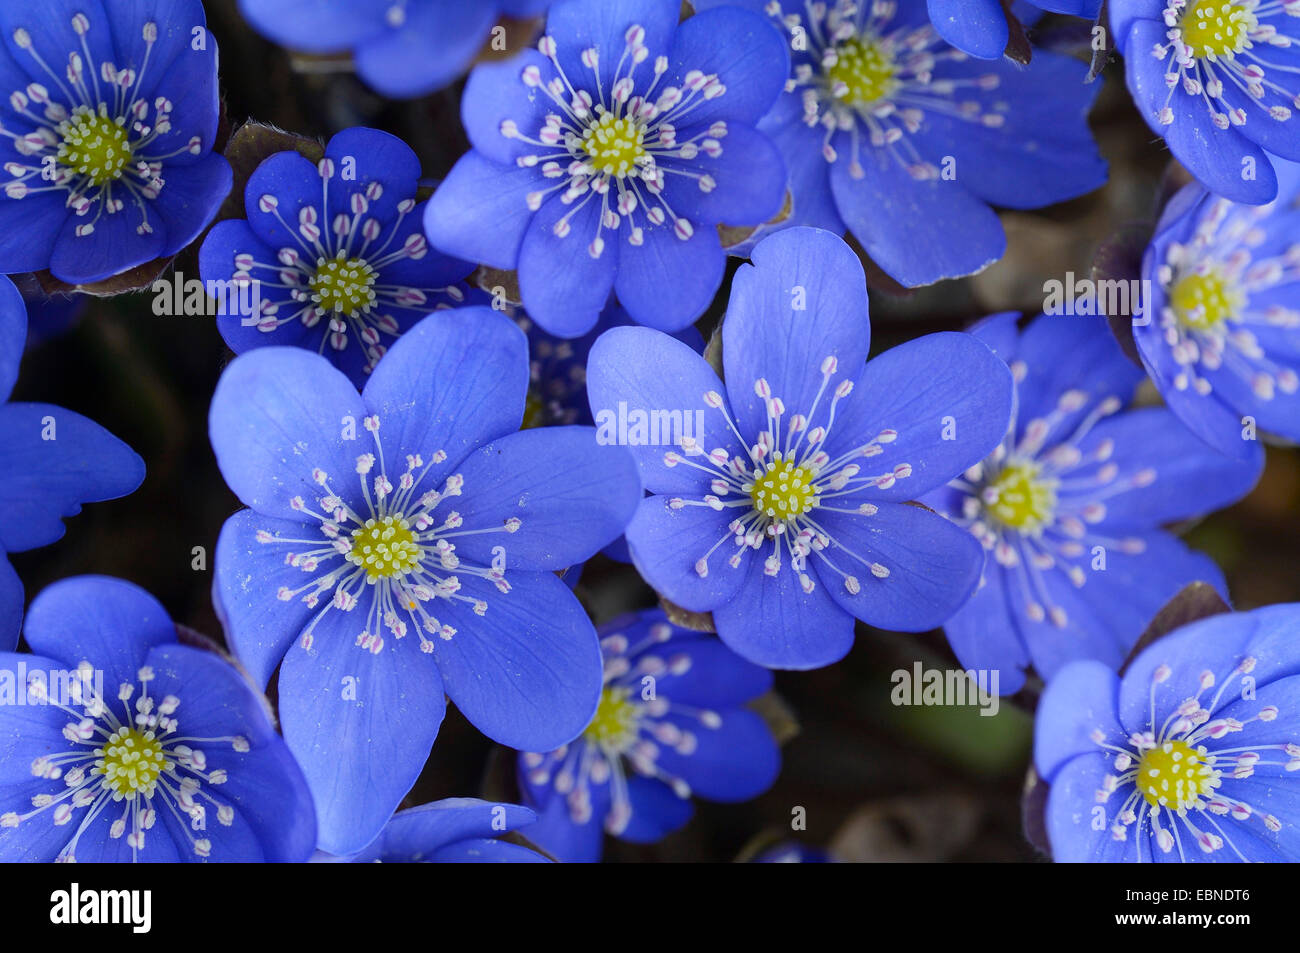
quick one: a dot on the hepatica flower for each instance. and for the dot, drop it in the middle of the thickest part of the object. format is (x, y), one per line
(1069, 506)
(1223, 340)
(459, 830)
(671, 723)
(1191, 756)
(401, 48)
(107, 135)
(54, 460)
(897, 137)
(604, 158)
(1220, 80)
(337, 252)
(126, 746)
(402, 542)
(784, 511)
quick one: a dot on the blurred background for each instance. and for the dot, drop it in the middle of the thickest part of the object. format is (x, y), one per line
(874, 781)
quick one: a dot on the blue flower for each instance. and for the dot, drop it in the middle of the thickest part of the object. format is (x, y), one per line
(785, 512)
(1190, 756)
(1220, 80)
(671, 711)
(979, 27)
(401, 48)
(54, 461)
(109, 126)
(604, 159)
(1222, 338)
(118, 744)
(1069, 506)
(401, 542)
(893, 135)
(452, 831)
(336, 252)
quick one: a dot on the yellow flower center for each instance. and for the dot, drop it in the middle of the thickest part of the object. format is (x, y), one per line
(1175, 775)
(1216, 27)
(867, 71)
(1202, 302)
(614, 145)
(94, 146)
(785, 491)
(345, 285)
(1024, 499)
(384, 548)
(131, 763)
(615, 725)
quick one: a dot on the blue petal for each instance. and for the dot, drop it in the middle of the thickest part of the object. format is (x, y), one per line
(559, 835)
(11, 605)
(480, 211)
(316, 26)
(1042, 152)
(1063, 353)
(29, 227)
(1081, 699)
(45, 480)
(603, 24)
(717, 677)
(775, 332)
(948, 398)
(667, 283)
(774, 623)
(264, 785)
(496, 92)
(277, 414)
(294, 183)
(638, 370)
(736, 761)
(13, 335)
(527, 673)
(454, 382)
(1071, 803)
(571, 496)
(190, 200)
(666, 545)
(749, 57)
(984, 635)
(978, 27)
(933, 566)
(564, 288)
(361, 725)
(108, 622)
(750, 179)
(115, 246)
(413, 835)
(1191, 479)
(1215, 156)
(484, 851)
(246, 577)
(919, 232)
(433, 47)
(656, 811)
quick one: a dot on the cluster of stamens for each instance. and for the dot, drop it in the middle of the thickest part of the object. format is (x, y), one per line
(335, 274)
(1173, 777)
(1210, 284)
(631, 725)
(873, 83)
(392, 555)
(1219, 46)
(92, 135)
(134, 757)
(615, 146)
